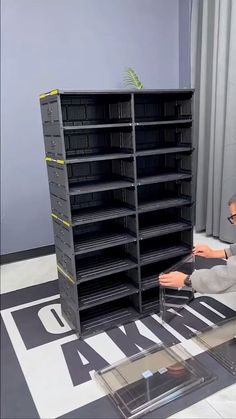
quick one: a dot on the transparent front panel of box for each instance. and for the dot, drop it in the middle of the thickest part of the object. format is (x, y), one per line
(173, 297)
(220, 341)
(151, 379)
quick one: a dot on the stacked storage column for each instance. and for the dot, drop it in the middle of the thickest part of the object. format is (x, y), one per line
(119, 169)
(163, 133)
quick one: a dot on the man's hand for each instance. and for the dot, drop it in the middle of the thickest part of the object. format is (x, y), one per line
(173, 279)
(207, 252)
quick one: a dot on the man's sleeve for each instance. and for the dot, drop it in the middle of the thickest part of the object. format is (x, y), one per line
(216, 280)
(231, 250)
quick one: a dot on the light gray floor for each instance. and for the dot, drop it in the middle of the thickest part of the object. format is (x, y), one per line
(36, 271)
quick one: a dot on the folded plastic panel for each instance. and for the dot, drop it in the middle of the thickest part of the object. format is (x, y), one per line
(220, 342)
(151, 379)
(173, 297)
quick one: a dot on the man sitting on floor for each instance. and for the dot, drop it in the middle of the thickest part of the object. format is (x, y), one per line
(216, 280)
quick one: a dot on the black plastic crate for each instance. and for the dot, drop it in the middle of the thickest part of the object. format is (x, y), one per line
(70, 314)
(157, 107)
(165, 247)
(68, 290)
(158, 165)
(107, 289)
(150, 273)
(53, 146)
(50, 111)
(164, 195)
(66, 263)
(92, 176)
(57, 173)
(163, 168)
(63, 237)
(98, 143)
(106, 262)
(99, 206)
(108, 315)
(150, 138)
(95, 109)
(103, 235)
(61, 207)
(163, 222)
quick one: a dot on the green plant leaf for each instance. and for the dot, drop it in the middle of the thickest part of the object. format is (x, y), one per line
(131, 78)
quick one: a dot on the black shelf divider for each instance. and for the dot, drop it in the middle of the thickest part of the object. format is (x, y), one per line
(106, 290)
(102, 241)
(166, 122)
(165, 177)
(94, 321)
(96, 214)
(102, 157)
(112, 158)
(164, 150)
(163, 204)
(149, 282)
(103, 266)
(157, 255)
(99, 186)
(95, 126)
(163, 229)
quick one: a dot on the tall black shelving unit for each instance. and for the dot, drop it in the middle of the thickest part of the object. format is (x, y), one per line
(120, 178)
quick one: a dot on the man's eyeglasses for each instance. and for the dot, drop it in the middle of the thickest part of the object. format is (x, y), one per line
(232, 219)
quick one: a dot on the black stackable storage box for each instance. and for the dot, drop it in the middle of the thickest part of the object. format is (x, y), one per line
(120, 179)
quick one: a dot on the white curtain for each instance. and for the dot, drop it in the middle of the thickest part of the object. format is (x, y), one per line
(213, 72)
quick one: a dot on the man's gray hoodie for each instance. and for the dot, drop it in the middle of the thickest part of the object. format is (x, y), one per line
(219, 279)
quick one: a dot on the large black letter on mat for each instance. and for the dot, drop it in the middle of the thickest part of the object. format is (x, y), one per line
(79, 371)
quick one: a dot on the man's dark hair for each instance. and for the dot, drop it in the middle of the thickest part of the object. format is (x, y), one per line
(232, 200)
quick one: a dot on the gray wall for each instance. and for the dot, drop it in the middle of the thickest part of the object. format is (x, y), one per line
(77, 44)
(185, 7)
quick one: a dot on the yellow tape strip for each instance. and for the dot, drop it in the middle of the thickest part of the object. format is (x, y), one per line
(66, 223)
(62, 221)
(65, 274)
(54, 160)
(53, 92)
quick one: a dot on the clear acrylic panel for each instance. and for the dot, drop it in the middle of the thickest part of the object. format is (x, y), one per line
(152, 378)
(220, 341)
(172, 297)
